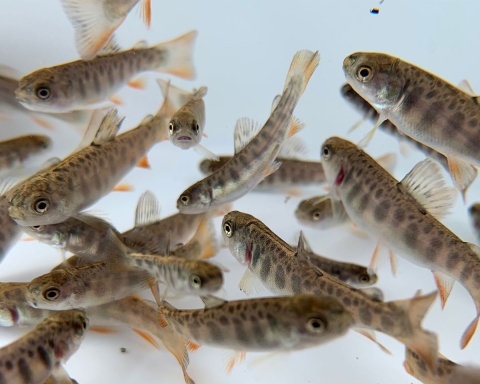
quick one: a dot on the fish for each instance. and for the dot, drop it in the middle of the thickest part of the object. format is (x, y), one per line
(95, 21)
(142, 316)
(15, 311)
(353, 274)
(260, 325)
(321, 212)
(275, 265)
(8, 103)
(182, 276)
(42, 351)
(85, 84)
(69, 186)
(474, 212)
(404, 216)
(446, 372)
(84, 286)
(369, 112)
(421, 105)
(254, 159)
(186, 126)
(10, 231)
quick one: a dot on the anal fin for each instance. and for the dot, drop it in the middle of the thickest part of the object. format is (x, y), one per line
(463, 174)
(146, 336)
(444, 284)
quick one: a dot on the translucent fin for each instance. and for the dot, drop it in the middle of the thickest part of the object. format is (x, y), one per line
(42, 122)
(212, 301)
(138, 83)
(374, 293)
(153, 284)
(304, 251)
(143, 163)
(374, 261)
(141, 44)
(94, 221)
(369, 136)
(369, 334)
(393, 262)
(463, 174)
(222, 211)
(237, 358)
(204, 152)
(205, 235)
(123, 187)
(93, 126)
(177, 97)
(245, 130)
(60, 376)
(108, 128)
(356, 125)
(11, 73)
(111, 46)
(302, 67)
(293, 148)
(6, 183)
(145, 11)
(444, 284)
(146, 336)
(93, 28)
(466, 87)
(200, 92)
(387, 161)
(426, 185)
(103, 330)
(272, 169)
(148, 210)
(469, 332)
(179, 54)
(249, 283)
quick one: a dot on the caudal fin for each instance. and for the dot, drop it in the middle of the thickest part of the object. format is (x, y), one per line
(179, 56)
(423, 343)
(303, 65)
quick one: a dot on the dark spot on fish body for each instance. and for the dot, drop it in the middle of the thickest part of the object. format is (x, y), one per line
(365, 316)
(473, 123)
(466, 272)
(338, 292)
(412, 98)
(25, 371)
(410, 235)
(224, 320)
(347, 301)
(379, 193)
(452, 260)
(240, 333)
(9, 365)
(431, 94)
(265, 268)
(353, 193)
(330, 289)
(296, 284)
(231, 309)
(427, 228)
(81, 88)
(364, 201)
(111, 78)
(377, 310)
(456, 121)
(387, 323)
(243, 316)
(280, 277)
(30, 353)
(380, 212)
(215, 331)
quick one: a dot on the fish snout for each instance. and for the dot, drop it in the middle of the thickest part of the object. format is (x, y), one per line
(349, 61)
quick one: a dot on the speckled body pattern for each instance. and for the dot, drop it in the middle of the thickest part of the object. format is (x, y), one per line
(177, 273)
(80, 83)
(265, 324)
(321, 212)
(446, 372)
(369, 112)
(10, 231)
(14, 308)
(420, 104)
(81, 287)
(279, 269)
(32, 358)
(141, 314)
(15, 152)
(374, 200)
(292, 173)
(82, 178)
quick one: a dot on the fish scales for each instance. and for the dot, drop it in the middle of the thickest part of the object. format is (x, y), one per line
(279, 268)
(32, 358)
(378, 205)
(369, 112)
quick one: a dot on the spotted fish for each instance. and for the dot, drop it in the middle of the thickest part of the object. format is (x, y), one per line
(284, 271)
(403, 216)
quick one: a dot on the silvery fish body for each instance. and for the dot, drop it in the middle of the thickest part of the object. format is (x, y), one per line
(284, 271)
(42, 351)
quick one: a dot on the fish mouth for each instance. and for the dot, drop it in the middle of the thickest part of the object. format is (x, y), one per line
(184, 138)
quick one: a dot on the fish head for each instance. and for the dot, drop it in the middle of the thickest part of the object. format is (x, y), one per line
(48, 234)
(376, 77)
(70, 328)
(184, 130)
(50, 291)
(37, 202)
(205, 278)
(235, 232)
(196, 199)
(44, 91)
(315, 213)
(316, 320)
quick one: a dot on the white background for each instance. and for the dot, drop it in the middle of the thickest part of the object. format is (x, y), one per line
(242, 54)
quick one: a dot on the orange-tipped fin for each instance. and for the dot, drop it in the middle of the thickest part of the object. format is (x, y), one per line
(161, 320)
(444, 284)
(204, 135)
(469, 332)
(29, 238)
(369, 334)
(238, 358)
(147, 337)
(273, 168)
(191, 346)
(117, 100)
(143, 163)
(138, 83)
(43, 123)
(105, 330)
(145, 12)
(393, 262)
(124, 187)
(373, 263)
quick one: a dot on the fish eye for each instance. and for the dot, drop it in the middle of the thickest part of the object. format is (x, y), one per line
(326, 152)
(316, 215)
(37, 228)
(364, 278)
(364, 74)
(227, 227)
(170, 128)
(43, 93)
(196, 281)
(197, 127)
(41, 205)
(51, 294)
(316, 325)
(185, 199)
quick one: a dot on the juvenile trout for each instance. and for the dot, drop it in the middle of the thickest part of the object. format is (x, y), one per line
(284, 271)
(321, 212)
(82, 84)
(422, 106)
(41, 352)
(403, 216)
(260, 325)
(255, 160)
(17, 152)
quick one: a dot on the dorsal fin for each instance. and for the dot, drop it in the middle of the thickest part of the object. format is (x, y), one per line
(425, 184)
(212, 301)
(147, 119)
(200, 92)
(466, 87)
(293, 148)
(148, 210)
(245, 130)
(142, 44)
(111, 46)
(48, 164)
(177, 97)
(304, 251)
(108, 128)
(168, 306)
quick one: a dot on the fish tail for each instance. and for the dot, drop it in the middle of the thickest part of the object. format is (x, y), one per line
(179, 55)
(205, 235)
(303, 65)
(145, 12)
(92, 27)
(423, 343)
(469, 332)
